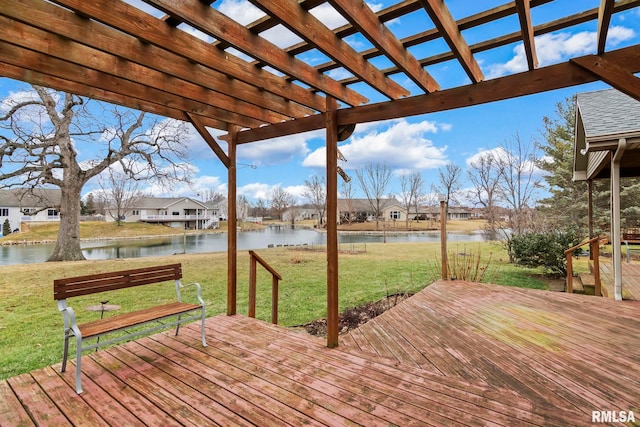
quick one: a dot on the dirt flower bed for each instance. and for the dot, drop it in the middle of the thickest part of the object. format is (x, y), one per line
(351, 318)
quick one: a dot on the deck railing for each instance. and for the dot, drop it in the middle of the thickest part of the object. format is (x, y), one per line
(275, 278)
(594, 248)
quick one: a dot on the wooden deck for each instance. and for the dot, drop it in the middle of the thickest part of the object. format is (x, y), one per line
(630, 279)
(457, 353)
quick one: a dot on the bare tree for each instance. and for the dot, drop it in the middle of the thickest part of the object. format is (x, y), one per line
(40, 140)
(119, 193)
(242, 209)
(316, 191)
(347, 194)
(260, 208)
(519, 179)
(280, 200)
(412, 192)
(484, 174)
(373, 180)
(450, 183)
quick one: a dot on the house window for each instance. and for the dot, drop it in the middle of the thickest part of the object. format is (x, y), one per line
(52, 212)
(27, 211)
(175, 213)
(394, 214)
(4, 211)
(135, 212)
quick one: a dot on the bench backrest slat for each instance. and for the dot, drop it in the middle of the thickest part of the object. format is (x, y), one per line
(84, 285)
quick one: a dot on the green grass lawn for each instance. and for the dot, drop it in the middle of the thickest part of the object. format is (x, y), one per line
(31, 327)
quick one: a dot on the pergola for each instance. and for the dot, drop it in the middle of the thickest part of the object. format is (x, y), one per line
(115, 52)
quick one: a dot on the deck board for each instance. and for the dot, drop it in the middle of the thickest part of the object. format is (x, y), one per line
(456, 353)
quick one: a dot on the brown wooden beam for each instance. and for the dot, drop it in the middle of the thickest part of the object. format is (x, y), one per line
(232, 227)
(539, 80)
(309, 28)
(526, 26)
(211, 142)
(363, 18)
(40, 79)
(332, 222)
(66, 50)
(448, 29)
(611, 73)
(57, 20)
(604, 18)
(558, 24)
(137, 23)
(139, 94)
(219, 26)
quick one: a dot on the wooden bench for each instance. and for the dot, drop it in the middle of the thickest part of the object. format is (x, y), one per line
(164, 316)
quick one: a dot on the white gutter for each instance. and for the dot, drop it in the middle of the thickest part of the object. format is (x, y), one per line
(615, 218)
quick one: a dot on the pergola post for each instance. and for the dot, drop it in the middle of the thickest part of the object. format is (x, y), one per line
(232, 234)
(332, 222)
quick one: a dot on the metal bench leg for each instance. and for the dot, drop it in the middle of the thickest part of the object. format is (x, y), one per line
(78, 364)
(65, 353)
(178, 325)
(204, 341)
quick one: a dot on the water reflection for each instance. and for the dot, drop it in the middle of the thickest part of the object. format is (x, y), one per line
(197, 243)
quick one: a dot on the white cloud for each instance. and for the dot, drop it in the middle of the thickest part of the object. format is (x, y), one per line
(557, 47)
(281, 36)
(256, 190)
(241, 11)
(401, 145)
(275, 151)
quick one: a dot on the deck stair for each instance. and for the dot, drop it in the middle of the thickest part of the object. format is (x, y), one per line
(588, 283)
(578, 285)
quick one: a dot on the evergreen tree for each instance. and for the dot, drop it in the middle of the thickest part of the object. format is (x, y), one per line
(6, 228)
(568, 201)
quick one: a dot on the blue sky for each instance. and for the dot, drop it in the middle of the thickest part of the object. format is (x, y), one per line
(422, 143)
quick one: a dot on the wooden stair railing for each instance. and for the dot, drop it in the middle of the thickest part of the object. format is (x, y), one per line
(594, 248)
(254, 259)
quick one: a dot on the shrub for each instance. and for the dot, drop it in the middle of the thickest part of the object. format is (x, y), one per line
(6, 228)
(545, 250)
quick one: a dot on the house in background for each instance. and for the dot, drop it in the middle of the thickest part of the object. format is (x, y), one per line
(21, 205)
(175, 212)
(359, 210)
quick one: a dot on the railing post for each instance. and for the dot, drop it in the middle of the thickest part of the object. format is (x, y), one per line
(274, 299)
(569, 272)
(595, 250)
(252, 286)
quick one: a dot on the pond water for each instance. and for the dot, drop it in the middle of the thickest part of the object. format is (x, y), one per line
(214, 242)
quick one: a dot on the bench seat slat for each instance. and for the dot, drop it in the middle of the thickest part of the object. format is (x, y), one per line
(126, 320)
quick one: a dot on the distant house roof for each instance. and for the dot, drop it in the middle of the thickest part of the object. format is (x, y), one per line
(162, 202)
(363, 205)
(602, 119)
(30, 198)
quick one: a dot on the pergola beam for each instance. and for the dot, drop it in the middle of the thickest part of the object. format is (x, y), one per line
(542, 79)
(219, 26)
(51, 18)
(448, 29)
(611, 73)
(526, 27)
(133, 21)
(137, 93)
(309, 28)
(604, 18)
(367, 23)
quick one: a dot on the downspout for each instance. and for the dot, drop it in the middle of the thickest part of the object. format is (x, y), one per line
(616, 235)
